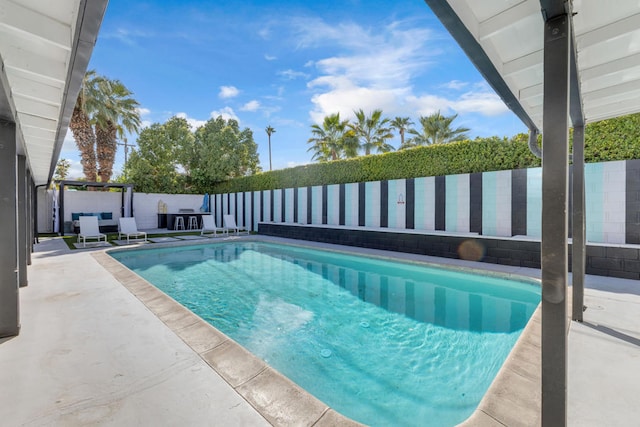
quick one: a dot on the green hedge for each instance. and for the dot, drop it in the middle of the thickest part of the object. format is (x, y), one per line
(460, 157)
(614, 139)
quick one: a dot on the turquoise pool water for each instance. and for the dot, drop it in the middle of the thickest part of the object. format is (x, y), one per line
(385, 343)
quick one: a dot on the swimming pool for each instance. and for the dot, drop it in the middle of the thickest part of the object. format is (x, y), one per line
(382, 342)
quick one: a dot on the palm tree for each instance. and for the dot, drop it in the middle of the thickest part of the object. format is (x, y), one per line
(119, 114)
(436, 129)
(402, 125)
(107, 106)
(89, 100)
(332, 140)
(269, 131)
(372, 132)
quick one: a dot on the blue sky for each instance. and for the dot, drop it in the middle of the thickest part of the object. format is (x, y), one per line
(288, 64)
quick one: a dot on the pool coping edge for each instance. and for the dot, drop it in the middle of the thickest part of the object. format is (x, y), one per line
(513, 398)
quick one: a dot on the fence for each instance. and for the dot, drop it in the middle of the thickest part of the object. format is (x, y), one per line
(500, 204)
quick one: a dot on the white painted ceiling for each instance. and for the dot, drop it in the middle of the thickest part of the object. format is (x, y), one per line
(44, 56)
(607, 43)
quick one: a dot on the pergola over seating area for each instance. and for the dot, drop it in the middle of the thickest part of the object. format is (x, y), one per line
(126, 199)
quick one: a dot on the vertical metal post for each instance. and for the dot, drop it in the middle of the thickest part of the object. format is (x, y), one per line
(9, 303)
(555, 167)
(578, 257)
(30, 217)
(22, 221)
(61, 209)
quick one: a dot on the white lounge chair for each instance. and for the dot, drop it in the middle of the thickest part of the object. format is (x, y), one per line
(127, 227)
(230, 223)
(89, 229)
(209, 226)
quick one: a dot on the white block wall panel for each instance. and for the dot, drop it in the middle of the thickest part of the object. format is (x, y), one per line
(614, 202)
(496, 203)
(372, 204)
(316, 204)
(425, 194)
(457, 203)
(240, 209)
(302, 205)
(266, 205)
(351, 199)
(534, 202)
(277, 205)
(333, 204)
(397, 208)
(232, 203)
(605, 200)
(288, 199)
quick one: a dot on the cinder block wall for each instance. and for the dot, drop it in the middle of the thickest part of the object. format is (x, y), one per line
(145, 206)
(92, 201)
(500, 204)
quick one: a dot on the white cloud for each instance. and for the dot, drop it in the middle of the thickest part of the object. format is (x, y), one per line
(75, 171)
(292, 74)
(252, 105)
(226, 113)
(194, 123)
(377, 70)
(374, 71)
(455, 85)
(228, 92)
(483, 102)
(270, 57)
(127, 36)
(344, 97)
(265, 33)
(314, 32)
(486, 103)
(388, 59)
(143, 111)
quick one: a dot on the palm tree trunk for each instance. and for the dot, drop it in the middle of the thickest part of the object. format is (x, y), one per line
(270, 152)
(85, 140)
(106, 146)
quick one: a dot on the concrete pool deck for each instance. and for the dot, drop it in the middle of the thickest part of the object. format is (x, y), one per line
(90, 352)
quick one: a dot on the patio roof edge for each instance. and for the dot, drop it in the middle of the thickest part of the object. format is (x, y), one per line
(445, 13)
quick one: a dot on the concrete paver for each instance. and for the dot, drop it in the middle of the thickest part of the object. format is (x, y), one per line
(604, 356)
(90, 353)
